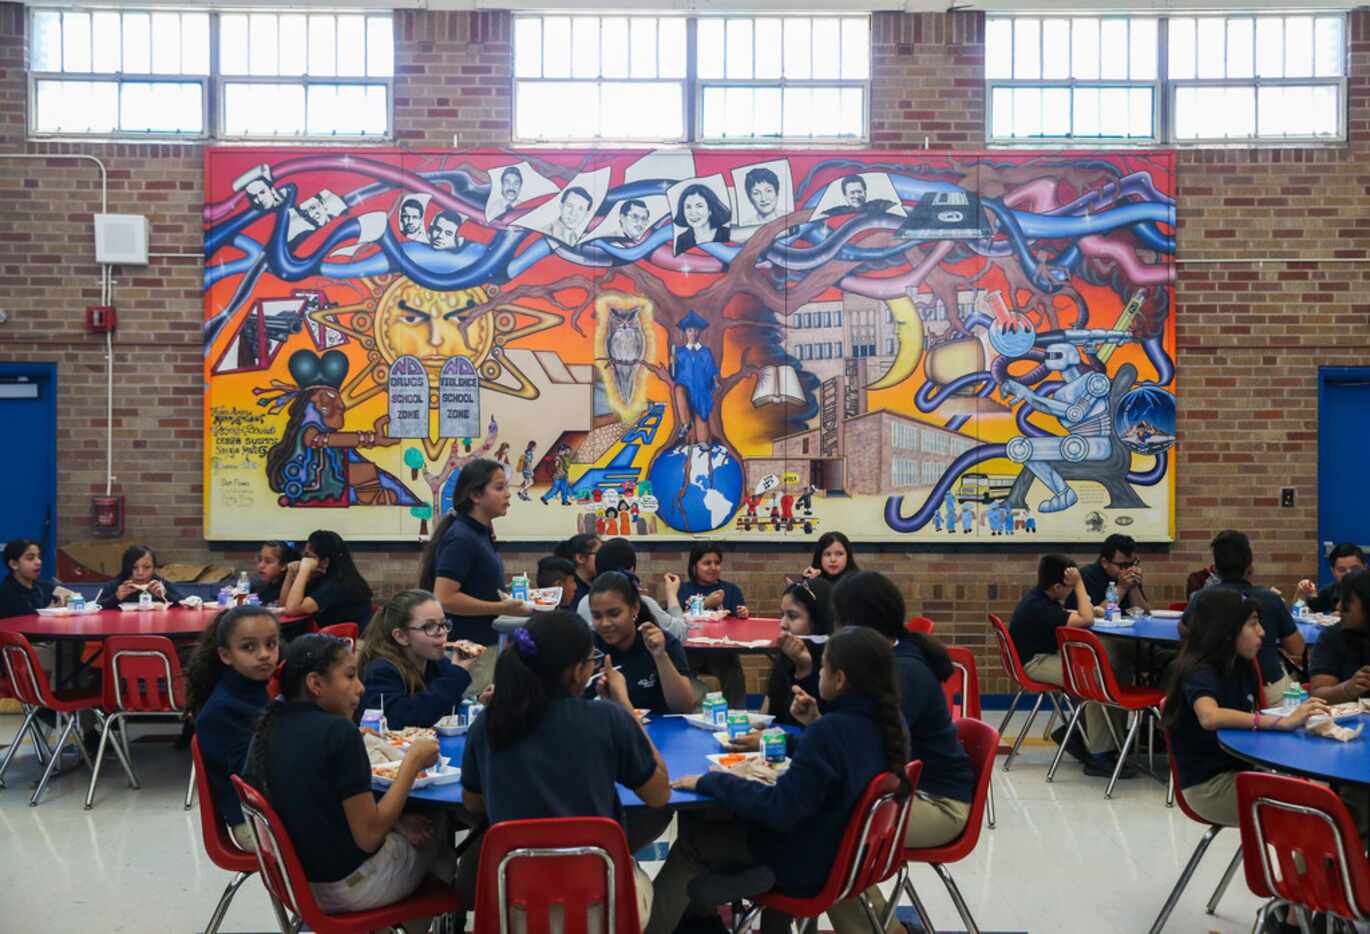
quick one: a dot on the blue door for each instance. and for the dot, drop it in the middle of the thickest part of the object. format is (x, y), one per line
(1343, 426)
(28, 471)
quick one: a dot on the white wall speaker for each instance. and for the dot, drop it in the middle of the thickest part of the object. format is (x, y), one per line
(121, 239)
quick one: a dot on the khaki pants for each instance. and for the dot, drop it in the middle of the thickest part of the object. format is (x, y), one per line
(391, 873)
(483, 671)
(933, 821)
(242, 836)
(1215, 800)
(1274, 691)
(1097, 736)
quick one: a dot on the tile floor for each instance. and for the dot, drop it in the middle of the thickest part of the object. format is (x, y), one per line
(1062, 859)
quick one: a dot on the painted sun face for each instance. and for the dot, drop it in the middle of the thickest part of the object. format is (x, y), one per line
(427, 324)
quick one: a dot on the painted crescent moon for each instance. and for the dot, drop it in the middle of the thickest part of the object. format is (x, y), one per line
(909, 327)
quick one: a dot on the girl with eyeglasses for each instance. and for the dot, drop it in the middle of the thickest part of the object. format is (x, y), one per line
(404, 665)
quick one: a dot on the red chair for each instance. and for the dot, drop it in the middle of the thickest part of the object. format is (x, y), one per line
(1013, 667)
(573, 863)
(142, 679)
(30, 685)
(963, 700)
(219, 845)
(1300, 846)
(285, 880)
(347, 632)
(868, 855)
(1090, 679)
(1179, 607)
(1196, 857)
(920, 624)
(981, 742)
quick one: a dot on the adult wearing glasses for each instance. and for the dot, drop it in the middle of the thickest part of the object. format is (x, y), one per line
(1118, 564)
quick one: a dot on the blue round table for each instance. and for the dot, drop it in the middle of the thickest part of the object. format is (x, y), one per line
(683, 748)
(1301, 753)
(1151, 629)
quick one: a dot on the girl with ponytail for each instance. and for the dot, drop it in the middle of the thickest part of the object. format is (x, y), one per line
(580, 550)
(462, 567)
(404, 665)
(789, 833)
(541, 750)
(652, 660)
(309, 760)
(226, 690)
(938, 813)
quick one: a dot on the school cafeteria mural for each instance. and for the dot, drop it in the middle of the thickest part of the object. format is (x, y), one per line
(906, 346)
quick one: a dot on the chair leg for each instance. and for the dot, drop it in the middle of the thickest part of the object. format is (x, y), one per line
(190, 787)
(1261, 914)
(1112, 730)
(871, 916)
(1212, 905)
(225, 900)
(1061, 750)
(1170, 792)
(892, 903)
(125, 755)
(989, 805)
(1135, 717)
(956, 899)
(1008, 715)
(26, 727)
(1023, 733)
(919, 908)
(1185, 876)
(1151, 744)
(1305, 920)
(68, 723)
(99, 760)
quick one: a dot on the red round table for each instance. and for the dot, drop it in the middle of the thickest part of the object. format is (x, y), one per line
(93, 626)
(752, 629)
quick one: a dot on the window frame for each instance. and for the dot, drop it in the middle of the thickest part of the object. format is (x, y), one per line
(684, 81)
(693, 87)
(213, 87)
(119, 78)
(1165, 91)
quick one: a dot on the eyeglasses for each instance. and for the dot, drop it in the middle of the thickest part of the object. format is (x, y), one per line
(433, 628)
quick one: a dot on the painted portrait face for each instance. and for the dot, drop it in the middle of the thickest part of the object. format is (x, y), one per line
(261, 194)
(764, 198)
(411, 219)
(330, 406)
(443, 234)
(855, 193)
(510, 185)
(635, 222)
(691, 335)
(427, 324)
(314, 210)
(573, 210)
(696, 211)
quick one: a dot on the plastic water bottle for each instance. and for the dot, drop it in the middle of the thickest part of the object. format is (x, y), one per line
(244, 584)
(144, 601)
(1111, 603)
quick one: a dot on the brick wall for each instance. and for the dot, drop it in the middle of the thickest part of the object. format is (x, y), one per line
(1248, 332)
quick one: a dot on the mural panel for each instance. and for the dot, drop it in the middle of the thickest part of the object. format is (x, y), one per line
(744, 345)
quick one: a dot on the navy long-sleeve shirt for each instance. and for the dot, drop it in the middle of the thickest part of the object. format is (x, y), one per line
(224, 729)
(18, 600)
(732, 594)
(797, 824)
(947, 772)
(445, 683)
(109, 600)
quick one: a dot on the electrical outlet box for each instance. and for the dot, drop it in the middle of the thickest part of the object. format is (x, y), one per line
(1287, 497)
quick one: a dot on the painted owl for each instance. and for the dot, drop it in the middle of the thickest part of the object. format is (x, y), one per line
(626, 345)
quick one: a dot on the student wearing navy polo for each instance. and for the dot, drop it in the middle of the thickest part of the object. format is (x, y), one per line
(404, 665)
(1117, 564)
(23, 592)
(324, 585)
(541, 750)
(138, 573)
(273, 560)
(580, 550)
(1339, 663)
(1344, 559)
(462, 568)
(788, 834)
(1233, 565)
(703, 578)
(652, 661)
(833, 557)
(1213, 687)
(309, 761)
(618, 554)
(226, 682)
(1033, 628)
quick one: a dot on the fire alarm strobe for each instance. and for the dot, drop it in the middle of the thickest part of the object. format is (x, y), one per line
(100, 319)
